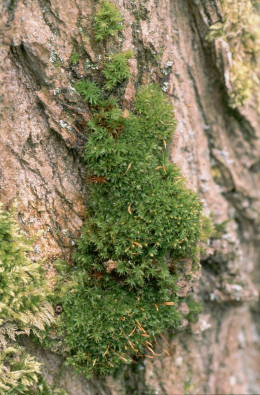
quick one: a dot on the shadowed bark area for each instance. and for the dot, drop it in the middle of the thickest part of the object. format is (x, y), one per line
(43, 132)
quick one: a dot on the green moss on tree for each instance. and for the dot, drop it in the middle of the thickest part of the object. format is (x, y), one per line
(23, 309)
(74, 59)
(141, 222)
(117, 70)
(106, 326)
(90, 91)
(108, 21)
(140, 213)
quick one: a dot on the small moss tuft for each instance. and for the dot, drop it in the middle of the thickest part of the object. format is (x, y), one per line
(108, 21)
(89, 90)
(74, 59)
(117, 69)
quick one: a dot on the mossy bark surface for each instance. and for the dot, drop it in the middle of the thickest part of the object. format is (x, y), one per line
(46, 47)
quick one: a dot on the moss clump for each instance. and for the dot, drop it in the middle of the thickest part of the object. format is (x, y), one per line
(140, 213)
(23, 289)
(141, 222)
(20, 372)
(117, 70)
(106, 326)
(23, 309)
(108, 21)
(90, 91)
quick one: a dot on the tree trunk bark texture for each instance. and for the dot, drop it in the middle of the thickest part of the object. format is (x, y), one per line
(42, 137)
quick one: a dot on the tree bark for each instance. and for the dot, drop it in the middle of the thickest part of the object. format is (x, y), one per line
(42, 137)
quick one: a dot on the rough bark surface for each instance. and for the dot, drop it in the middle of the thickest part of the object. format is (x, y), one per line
(43, 124)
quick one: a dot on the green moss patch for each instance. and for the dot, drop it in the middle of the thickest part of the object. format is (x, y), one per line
(106, 326)
(140, 214)
(108, 21)
(23, 310)
(117, 69)
(142, 222)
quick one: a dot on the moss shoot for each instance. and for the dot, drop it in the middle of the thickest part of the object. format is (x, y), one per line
(117, 69)
(108, 21)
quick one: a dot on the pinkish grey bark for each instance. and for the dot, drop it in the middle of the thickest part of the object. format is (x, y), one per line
(42, 135)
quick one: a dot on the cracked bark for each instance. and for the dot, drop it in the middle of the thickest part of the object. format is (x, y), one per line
(42, 136)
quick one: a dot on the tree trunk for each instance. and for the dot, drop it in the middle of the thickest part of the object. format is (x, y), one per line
(216, 145)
